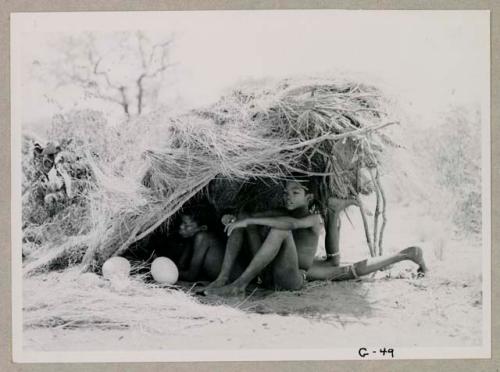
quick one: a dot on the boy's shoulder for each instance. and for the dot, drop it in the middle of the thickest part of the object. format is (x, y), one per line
(204, 235)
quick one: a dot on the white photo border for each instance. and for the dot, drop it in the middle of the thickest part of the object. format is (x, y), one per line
(23, 22)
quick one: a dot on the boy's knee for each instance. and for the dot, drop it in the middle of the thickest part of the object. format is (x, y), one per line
(280, 233)
(201, 237)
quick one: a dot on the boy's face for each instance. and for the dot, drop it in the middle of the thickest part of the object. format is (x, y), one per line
(296, 196)
(188, 227)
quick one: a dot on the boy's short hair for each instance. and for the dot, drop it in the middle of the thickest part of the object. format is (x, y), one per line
(311, 185)
(306, 185)
(200, 214)
(306, 182)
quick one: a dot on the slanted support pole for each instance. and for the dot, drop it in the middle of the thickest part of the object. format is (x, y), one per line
(367, 228)
(376, 241)
(384, 216)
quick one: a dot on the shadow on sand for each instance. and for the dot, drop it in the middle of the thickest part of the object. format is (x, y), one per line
(346, 300)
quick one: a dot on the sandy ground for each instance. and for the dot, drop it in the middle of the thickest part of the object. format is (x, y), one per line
(389, 308)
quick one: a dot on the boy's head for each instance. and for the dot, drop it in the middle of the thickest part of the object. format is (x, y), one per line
(298, 194)
(191, 224)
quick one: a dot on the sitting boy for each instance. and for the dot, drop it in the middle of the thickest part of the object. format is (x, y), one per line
(204, 250)
(285, 258)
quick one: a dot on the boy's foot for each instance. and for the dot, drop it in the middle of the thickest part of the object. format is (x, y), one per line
(416, 255)
(217, 283)
(333, 260)
(226, 291)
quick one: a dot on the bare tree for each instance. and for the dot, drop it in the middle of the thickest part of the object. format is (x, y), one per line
(121, 68)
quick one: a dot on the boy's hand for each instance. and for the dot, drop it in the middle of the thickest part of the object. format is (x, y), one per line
(235, 225)
(227, 219)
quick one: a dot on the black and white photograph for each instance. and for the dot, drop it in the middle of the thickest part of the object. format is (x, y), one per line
(250, 185)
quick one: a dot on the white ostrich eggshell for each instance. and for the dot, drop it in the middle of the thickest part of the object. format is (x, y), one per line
(115, 268)
(164, 271)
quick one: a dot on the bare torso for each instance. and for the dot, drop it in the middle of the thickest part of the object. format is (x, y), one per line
(306, 242)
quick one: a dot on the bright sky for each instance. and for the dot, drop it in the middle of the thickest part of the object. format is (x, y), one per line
(430, 59)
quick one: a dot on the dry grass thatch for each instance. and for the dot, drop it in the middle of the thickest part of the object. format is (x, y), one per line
(323, 129)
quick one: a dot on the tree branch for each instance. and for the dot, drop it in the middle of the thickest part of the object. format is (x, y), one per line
(140, 93)
(140, 38)
(366, 227)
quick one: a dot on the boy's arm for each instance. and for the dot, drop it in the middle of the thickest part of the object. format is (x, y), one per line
(281, 223)
(230, 218)
(270, 213)
(200, 248)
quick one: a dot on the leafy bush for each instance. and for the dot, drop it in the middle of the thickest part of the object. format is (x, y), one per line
(43, 225)
(451, 151)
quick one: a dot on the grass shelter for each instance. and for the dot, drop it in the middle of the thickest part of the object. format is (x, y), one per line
(258, 134)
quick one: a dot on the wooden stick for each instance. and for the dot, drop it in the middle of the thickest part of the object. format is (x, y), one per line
(384, 216)
(365, 224)
(337, 136)
(376, 244)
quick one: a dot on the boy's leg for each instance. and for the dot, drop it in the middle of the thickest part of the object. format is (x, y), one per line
(233, 248)
(231, 267)
(285, 271)
(254, 238)
(269, 250)
(320, 271)
(212, 261)
(371, 265)
(332, 237)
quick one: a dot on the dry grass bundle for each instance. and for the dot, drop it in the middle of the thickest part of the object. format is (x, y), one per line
(322, 129)
(146, 307)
